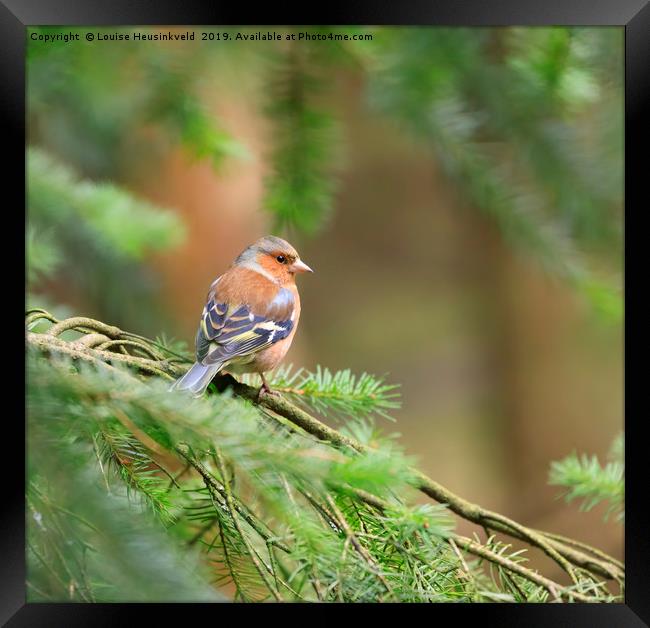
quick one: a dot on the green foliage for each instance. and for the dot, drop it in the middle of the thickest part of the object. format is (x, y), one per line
(99, 116)
(606, 302)
(177, 348)
(508, 112)
(101, 100)
(43, 254)
(88, 545)
(120, 453)
(616, 451)
(585, 478)
(95, 236)
(516, 588)
(526, 123)
(179, 110)
(341, 393)
(231, 495)
(86, 541)
(115, 219)
(280, 484)
(299, 191)
(136, 494)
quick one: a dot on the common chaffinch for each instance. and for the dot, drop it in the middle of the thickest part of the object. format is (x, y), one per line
(250, 317)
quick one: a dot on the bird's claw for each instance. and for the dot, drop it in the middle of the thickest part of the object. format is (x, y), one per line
(265, 390)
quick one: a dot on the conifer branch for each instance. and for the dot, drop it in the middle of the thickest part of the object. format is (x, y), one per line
(584, 477)
(235, 520)
(572, 556)
(340, 519)
(484, 552)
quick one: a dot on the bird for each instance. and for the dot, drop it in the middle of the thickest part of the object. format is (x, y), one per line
(250, 316)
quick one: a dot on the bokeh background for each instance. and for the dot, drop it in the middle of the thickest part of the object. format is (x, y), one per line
(457, 191)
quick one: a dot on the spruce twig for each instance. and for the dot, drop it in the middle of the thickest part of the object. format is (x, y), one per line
(566, 552)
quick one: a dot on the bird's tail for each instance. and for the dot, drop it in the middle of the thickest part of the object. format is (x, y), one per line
(196, 380)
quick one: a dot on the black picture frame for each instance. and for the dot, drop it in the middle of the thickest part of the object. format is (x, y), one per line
(634, 15)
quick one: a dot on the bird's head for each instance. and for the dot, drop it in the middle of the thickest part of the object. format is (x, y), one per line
(275, 258)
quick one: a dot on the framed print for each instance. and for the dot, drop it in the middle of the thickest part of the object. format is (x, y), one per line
(327, 309)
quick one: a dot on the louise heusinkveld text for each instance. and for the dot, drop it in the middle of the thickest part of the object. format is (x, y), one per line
(143, 36)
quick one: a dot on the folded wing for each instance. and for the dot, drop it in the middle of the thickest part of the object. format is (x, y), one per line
(232, 330)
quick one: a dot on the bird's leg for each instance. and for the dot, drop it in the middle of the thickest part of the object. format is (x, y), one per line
(264, 388)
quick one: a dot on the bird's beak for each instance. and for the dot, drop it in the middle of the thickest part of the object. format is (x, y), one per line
(300, 267)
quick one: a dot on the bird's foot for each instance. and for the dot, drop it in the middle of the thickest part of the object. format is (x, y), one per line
(265, 389)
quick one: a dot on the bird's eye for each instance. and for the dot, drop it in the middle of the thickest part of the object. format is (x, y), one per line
(281, 258)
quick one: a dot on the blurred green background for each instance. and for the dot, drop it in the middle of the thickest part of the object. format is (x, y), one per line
(458, 192)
